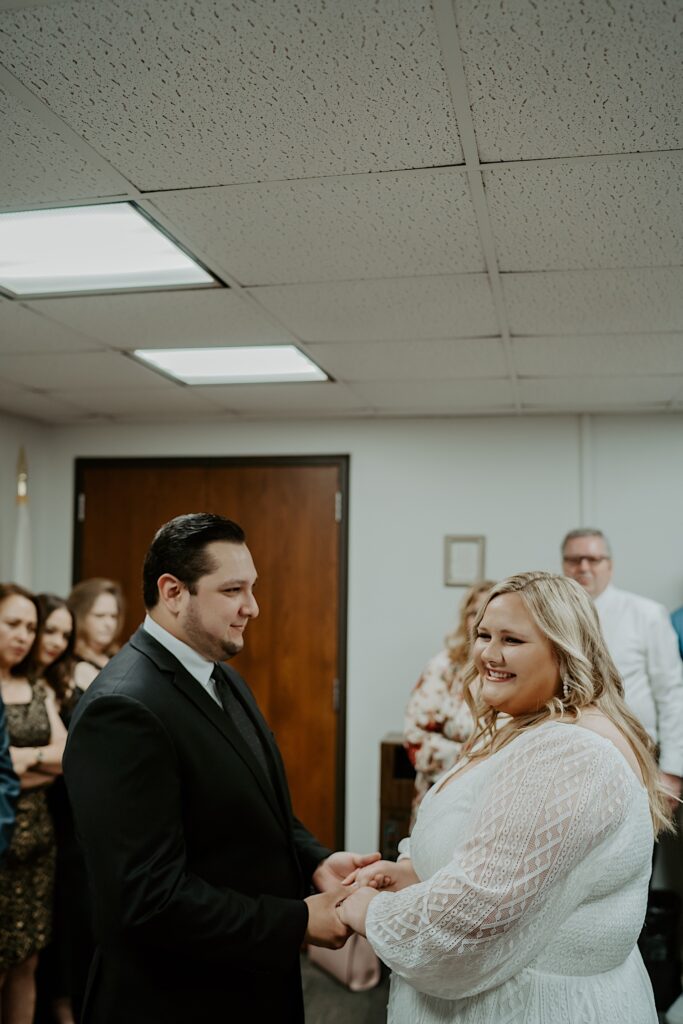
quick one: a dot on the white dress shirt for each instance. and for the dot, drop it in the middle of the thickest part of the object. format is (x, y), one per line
(198, 667)
(644, 648)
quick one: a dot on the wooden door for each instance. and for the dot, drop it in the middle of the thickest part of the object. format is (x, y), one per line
(294, 651)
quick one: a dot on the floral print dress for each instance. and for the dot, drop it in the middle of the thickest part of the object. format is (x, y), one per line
(437, 722)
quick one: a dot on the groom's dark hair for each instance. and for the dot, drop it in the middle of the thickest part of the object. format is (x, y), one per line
(179, 548)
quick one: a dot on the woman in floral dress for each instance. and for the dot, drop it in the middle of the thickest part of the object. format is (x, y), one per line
(437, 720)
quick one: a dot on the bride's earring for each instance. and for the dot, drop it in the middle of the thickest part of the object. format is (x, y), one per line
(565, 689)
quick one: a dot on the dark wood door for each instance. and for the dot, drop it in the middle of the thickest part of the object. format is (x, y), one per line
(294, 651)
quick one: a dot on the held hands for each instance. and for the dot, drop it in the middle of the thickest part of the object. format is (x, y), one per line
(352, 911)
(335, 869)
(325, 926)
(383, 874)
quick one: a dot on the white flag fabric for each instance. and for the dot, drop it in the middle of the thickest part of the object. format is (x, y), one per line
(22, 571)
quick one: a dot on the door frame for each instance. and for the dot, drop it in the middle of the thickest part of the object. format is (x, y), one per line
(342, 462)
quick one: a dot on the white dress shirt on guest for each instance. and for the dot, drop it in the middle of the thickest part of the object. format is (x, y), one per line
(198, 667)
(644, 648)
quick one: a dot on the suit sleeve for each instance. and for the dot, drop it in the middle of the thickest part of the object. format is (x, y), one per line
(130, 828)
(309, 851)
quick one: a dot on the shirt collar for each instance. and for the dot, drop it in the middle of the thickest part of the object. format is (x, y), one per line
(198, 667)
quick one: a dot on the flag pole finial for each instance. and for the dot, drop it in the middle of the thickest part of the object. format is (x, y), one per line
(22, 478)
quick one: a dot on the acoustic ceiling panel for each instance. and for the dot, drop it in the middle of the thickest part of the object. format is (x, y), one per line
(38, 165)
(624, 212)
(579, 393)
(177, 94)
(381, 225)
(606, 355)
(190, 317)
(26, 331)
(287, 400)
(408, 360)
(570, 77)
(84, 370)
(173, 404)
(436, 397)
(403, 309)
(44, 408)
(595, 301)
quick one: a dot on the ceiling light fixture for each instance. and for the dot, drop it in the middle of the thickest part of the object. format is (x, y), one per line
(90, 248)
(253, 364)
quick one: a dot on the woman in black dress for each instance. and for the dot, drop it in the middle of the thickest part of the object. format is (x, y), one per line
(37, 738)
(64, 964)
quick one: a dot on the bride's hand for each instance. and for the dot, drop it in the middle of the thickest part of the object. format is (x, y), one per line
(353, 908)
(383, 874)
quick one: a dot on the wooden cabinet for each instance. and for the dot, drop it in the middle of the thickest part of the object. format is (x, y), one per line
(397, 785)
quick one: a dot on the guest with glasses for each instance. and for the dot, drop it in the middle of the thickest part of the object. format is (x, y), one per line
(643, 645)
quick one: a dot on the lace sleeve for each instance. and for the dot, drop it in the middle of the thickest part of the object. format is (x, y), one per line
(556, 794)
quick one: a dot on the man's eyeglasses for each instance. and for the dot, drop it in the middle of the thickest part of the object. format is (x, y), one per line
(576, 560)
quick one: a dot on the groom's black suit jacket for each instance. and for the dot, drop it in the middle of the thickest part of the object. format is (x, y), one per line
(196, 864)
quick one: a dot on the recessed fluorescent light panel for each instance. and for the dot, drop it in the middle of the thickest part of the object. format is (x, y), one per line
(90, 248)
(253, 364)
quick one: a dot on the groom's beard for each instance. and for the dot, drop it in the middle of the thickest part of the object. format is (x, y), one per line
(209, 646)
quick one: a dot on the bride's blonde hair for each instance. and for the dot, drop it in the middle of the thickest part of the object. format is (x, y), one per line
(565, 614)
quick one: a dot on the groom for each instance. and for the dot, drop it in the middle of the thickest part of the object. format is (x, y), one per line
(198, 870)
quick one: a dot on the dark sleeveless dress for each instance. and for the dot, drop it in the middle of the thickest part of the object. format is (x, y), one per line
(27, 870)
(64, 965)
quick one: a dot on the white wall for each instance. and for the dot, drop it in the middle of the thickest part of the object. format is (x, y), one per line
(16, 433)
(521, 482)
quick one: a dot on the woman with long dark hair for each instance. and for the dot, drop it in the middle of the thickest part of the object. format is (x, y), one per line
(37, 738)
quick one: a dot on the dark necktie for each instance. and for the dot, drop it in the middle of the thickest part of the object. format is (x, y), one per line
(234, 707)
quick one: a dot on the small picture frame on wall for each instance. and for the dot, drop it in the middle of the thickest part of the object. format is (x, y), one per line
(463, 560)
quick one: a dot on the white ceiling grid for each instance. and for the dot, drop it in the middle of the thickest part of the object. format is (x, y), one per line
(453, 207)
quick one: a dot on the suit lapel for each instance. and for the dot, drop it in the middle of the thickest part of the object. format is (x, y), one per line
(195, 692)
(246, 698)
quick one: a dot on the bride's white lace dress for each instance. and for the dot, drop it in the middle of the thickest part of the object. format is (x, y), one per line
(535, 867)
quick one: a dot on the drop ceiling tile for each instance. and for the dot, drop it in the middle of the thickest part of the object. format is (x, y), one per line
(567, 77)
(39, 165)
(580, 393)
(383, 225)
(173, 404)
(173, 319)
(408, 360)
(623, 212)
(24, 330)
(602, 355)
(436, 397)
(595, 301)
(403, 309)
(44, 408)
(322, 398)
(87, 370)
(178, 95)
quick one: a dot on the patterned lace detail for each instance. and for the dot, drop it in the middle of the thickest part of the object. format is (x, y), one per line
(555, 795)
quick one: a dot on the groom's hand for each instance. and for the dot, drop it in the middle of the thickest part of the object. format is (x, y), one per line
(325, 928)
(332, 871)
(354, 909)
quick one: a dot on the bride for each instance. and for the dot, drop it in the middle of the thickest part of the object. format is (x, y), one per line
(522, 890)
